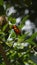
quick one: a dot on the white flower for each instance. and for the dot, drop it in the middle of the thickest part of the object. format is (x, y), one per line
(18, 20)
(26, 64)
(10, 11)
(15, 44)
(26, 11)
(9, 39)
(35, 53)
(24, 44)
(28, 27)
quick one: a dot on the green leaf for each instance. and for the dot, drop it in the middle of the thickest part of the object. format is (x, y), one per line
(12, 34)
(24, 19)
(32, 37)
(1, 32)
(31, 42)
(20, 26)
(1, 2)
(9, 43)
(22, 38)
(12, 20)
(4, 27)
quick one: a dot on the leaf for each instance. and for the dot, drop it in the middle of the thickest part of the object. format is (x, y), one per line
(12, 20)
(20, 26)
(1, 32)
(9, 43)
(1, 2)
(4, 27)
(22, 38)
(32, 37)
(31, 42)
(33, 58)
(12, 34)
(24, 19)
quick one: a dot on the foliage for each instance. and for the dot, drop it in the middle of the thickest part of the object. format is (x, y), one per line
(19, 50)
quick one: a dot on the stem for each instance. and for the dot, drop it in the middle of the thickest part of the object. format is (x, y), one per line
(3, 53)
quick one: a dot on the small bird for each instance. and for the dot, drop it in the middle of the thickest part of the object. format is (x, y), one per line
(16, 29)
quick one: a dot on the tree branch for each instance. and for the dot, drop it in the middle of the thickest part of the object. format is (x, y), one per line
(3, 53)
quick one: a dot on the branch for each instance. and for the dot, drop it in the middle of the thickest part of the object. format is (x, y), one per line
(3, 53)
